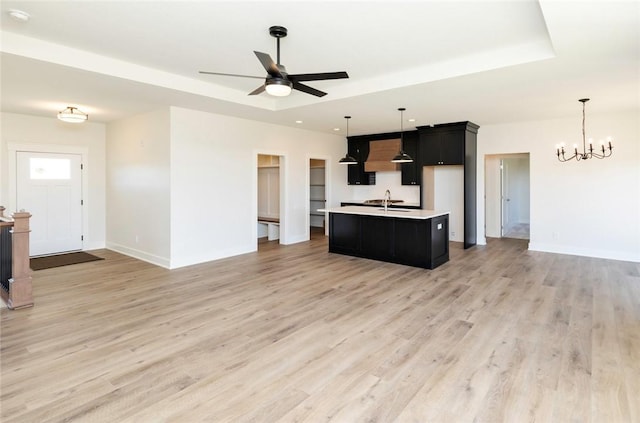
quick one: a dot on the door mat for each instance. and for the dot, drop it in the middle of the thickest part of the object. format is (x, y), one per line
(40, 263)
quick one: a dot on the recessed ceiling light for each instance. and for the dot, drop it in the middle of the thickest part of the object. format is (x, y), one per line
(412, 120)
(298, 121)
(19, 15)
(336, 129)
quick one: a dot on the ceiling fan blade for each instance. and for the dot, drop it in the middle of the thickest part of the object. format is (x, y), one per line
(268, 63)
(258, 90)
(318, 76)
(307, 89)
(231, 74)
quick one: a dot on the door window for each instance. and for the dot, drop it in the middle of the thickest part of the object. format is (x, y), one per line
(45, 168)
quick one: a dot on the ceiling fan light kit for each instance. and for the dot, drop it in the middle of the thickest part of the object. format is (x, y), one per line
(278, 82)
(278, 87)
(72, 115)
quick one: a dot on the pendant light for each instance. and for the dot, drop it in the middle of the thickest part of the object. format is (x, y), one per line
(72, 115)
(402, 157)
(347, 159)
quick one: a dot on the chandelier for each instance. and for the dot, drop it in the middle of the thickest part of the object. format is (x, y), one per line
(586, 153)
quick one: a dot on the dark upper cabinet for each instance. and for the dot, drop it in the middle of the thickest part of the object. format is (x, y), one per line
(411, 173)
(452, 147)
(442, 145)
(359, 150)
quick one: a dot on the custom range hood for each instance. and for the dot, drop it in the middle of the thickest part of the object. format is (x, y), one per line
(380, 155)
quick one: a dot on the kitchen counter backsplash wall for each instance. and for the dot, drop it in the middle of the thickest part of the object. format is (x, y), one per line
(385, 181)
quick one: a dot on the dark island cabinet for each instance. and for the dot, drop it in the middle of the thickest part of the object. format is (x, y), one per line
(413, 242)
(377, 236)
(359, 150)
(345, 233)
(411, 173)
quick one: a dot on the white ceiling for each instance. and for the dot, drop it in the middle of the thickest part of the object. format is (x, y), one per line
(445, 61)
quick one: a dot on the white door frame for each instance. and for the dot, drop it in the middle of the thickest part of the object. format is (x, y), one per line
(327, 192)
(284, 186)
(494, 194)
(505, 224)
(13, 149)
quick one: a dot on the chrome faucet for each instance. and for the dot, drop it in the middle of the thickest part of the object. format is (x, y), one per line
(387, 199)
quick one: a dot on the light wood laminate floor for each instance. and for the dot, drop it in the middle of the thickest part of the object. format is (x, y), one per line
(295, 334)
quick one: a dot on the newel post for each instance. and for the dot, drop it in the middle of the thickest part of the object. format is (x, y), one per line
(20, 283)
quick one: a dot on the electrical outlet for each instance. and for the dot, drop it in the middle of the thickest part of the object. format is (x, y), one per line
(453, 233)
(137, 239)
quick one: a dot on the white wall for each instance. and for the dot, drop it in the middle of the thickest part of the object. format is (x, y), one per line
(587, 208)
(52, 135)
(214, 182)
(138, 195)
(448, 186)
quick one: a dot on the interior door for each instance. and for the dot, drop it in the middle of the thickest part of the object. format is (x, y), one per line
(505, 205)
(49, 186)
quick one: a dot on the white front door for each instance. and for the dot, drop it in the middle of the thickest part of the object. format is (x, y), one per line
(49, 186)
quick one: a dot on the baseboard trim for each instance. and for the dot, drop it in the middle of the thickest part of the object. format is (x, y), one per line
(138, 254)
(585, 252)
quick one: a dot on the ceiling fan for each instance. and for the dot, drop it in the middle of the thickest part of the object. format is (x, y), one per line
(278, 82)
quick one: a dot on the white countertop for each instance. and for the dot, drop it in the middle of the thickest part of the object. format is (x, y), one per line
(401, 204)
(391, 212)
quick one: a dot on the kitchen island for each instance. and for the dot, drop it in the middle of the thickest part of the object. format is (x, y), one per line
(413, 237)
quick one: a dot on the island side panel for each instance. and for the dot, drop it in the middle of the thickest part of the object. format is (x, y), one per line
(439, 241)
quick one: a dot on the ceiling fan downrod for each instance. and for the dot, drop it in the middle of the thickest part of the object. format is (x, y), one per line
(278, 32)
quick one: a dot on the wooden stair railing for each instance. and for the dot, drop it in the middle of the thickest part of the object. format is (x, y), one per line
(15, 273)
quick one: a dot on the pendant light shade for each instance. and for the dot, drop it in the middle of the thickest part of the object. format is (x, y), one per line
(72, 115)
(347, 159)
(402, 157)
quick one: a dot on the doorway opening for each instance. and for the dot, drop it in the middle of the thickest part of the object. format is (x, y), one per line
(507, 205)
(269, 189)
(317, 196)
